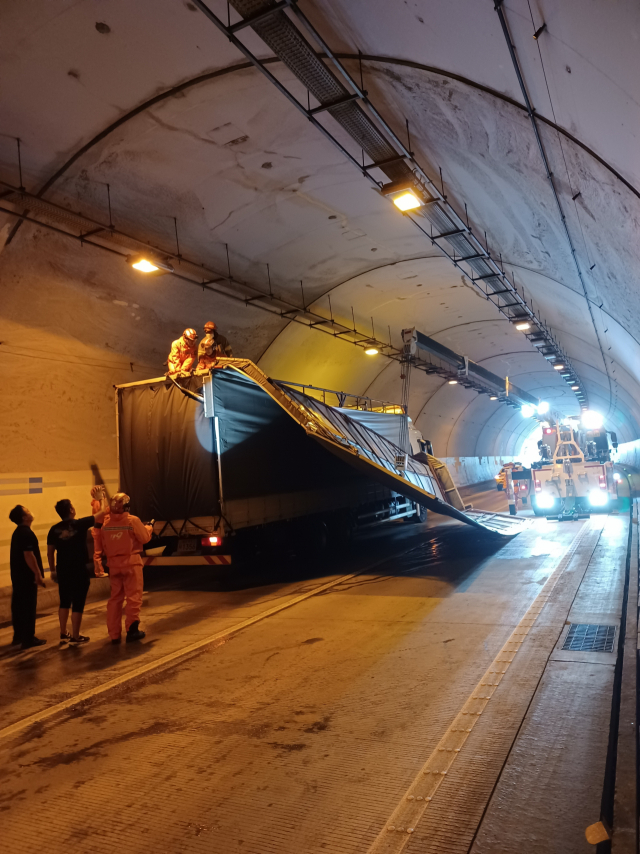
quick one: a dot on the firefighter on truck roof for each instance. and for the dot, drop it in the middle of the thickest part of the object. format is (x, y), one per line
(184, 352)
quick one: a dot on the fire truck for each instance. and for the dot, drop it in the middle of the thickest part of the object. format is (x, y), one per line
(575, 475)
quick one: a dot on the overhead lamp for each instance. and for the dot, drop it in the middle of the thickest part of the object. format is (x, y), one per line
(493, 397)
(372, 351)
(527, 410)
(453, 382)
(575, 388)
(404, 195)
(149, 264)
(542, 407)
(521, 325)
(559, 367)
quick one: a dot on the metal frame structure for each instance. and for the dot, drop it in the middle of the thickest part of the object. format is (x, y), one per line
(86, 230)
(464, 250)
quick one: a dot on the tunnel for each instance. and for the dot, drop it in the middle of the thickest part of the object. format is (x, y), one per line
(317, 179)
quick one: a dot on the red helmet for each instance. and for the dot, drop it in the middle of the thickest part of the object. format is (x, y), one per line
(190, 335)
(210, 326)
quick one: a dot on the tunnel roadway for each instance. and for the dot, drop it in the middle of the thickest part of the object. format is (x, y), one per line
(314, 708)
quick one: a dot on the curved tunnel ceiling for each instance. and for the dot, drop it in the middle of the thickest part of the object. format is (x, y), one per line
(231, 159)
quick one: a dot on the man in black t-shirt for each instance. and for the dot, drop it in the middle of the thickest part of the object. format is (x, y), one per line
(68, 558)
(26, 576)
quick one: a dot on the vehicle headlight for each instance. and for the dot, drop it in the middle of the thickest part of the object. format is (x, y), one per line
(597, 498)
(545, 500)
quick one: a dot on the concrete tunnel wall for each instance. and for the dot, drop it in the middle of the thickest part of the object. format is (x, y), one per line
(230, 158)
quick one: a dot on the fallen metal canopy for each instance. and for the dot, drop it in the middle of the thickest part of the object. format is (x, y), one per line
(375, 455)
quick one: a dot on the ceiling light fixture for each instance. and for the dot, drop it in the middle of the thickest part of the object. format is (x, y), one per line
(149, 264)
(372, 351)
(404, 195)
(575, 388)
(558, 367)
(521, 325)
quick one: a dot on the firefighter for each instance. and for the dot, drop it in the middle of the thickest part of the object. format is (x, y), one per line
(122, 537)
(222, 345)
(206, 354)
(183, 353)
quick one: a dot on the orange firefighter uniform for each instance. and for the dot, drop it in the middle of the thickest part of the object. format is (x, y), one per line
(207, 353)
(122, 537)
(184, 352)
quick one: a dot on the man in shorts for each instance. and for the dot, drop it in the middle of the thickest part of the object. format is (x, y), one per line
(68, 557)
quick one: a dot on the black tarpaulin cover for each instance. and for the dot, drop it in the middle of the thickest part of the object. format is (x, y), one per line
(263, 450)
(167, 464)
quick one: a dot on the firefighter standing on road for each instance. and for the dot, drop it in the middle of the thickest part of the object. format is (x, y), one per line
(184, 353)
(123, 536)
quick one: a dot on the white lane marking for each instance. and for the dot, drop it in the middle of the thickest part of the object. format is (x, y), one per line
(404, 819)
(38, 717)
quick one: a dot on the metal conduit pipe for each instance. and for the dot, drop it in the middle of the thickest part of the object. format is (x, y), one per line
(547, 168)
(268, 19)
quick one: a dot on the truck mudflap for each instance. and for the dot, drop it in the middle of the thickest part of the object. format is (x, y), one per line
(428, 483)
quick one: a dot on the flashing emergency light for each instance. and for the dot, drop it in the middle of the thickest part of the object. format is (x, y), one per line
(591, 420)
(372, 351)
(617, 476)
(542, 407)
(545, 501)
(527, 410)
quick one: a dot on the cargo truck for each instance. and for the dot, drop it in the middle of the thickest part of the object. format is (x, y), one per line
(233, 460)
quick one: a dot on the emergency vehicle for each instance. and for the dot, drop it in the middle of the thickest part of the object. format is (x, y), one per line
(575, 475)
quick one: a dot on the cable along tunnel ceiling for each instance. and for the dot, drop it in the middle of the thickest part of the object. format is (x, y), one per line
(236, 164)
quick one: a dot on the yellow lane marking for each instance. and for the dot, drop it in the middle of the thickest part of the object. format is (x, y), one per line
(171, 657)
(404, 819)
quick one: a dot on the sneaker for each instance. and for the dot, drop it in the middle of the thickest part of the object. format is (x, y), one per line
(134, 633)
(33, 642)
(65, 636)
(80, 639)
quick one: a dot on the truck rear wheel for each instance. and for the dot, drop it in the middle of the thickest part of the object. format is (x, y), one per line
(421, 514)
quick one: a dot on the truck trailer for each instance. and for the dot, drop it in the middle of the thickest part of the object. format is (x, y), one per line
(230, 459)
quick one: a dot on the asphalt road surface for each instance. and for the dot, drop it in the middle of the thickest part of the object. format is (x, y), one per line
(308, 706)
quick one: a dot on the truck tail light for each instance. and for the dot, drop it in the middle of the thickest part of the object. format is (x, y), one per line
(537, 485)
(603, 482)
(214, 540)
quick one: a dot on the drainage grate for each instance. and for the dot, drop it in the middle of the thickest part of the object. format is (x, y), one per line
(583, 637)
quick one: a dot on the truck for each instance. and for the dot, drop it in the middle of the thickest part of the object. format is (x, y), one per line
(575, 475)
(233, 462)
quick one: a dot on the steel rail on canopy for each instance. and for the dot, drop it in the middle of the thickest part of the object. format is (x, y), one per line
(347, 102)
